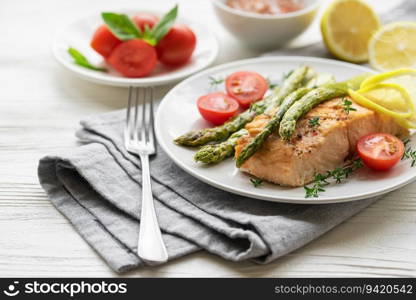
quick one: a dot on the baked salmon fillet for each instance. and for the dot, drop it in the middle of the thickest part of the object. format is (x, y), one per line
(313, 149)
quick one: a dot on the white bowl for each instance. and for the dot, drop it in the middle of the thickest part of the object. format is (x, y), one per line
(265, 32)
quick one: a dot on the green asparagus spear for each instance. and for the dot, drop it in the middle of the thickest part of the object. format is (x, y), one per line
(218, 152)
(295, 80)
(204, 136)
(271, 126)
(313, 98)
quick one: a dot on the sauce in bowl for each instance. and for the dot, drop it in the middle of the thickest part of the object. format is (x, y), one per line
(269, 7)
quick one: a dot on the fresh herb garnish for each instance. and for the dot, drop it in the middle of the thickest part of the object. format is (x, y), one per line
(123, 28)
(271, 84)
(314, 122)
(318, 186)
(347, 105)
(338, 175)
(82, 61)
(286, 75)
(256, 182)
(215, 81)
(409, 153)
(163, 26)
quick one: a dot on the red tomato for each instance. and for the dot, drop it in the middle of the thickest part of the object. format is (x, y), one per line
(143, 19)
(380, 151)
(217, 108)
(177, 46)
(103, 41)
(246, 87)
(134, 58)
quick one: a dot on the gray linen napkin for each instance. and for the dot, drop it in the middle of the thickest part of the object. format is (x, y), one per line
(97, 187)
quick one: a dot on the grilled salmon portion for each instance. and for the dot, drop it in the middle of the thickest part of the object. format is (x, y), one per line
(313, 149)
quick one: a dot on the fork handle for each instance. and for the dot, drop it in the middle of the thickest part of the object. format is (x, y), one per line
(151, 247)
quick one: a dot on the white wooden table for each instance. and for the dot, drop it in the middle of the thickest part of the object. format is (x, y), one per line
(40, 106)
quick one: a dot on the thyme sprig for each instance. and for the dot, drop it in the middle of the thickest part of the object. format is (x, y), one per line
(256, 182)
(271, 84)
(347, 105)
(314, 122)
(337, 175)
(213, 81)
(409, 153)
(286, 75)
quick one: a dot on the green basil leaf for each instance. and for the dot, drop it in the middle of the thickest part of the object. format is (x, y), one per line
(82, 61)
(163, 26)
(121, 26)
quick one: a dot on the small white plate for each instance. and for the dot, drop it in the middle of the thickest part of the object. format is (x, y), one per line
(178, 114)
(78, 35)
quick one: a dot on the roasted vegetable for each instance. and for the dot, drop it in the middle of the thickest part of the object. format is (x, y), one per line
(218, 152)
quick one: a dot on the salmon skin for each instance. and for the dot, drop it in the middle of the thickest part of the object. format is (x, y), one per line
(313, 149)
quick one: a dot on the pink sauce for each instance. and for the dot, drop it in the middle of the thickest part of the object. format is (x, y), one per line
(269, 7)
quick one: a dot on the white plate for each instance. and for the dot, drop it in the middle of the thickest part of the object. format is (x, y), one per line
(78, 35)
(178, 114)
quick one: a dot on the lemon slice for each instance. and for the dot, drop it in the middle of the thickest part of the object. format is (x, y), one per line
(387, 98)
(409, 123)
(406, 78)
(393, 46)
(403, 77)
(388, 76)
(347, 26)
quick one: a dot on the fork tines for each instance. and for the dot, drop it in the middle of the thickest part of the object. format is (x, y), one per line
(139, 129)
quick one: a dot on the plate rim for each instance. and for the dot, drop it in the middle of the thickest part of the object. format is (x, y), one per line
(123, 81)
(293, 200)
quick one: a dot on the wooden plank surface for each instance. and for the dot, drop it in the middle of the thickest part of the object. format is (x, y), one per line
(40, 106)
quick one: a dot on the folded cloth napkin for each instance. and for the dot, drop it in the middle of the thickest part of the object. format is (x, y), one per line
(97, 187)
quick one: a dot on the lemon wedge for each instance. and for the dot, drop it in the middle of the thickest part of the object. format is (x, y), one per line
(393, 46)
(347, 26)
(387, 98)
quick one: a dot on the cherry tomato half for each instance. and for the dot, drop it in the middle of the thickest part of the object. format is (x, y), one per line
(217, 108)
(246, 87)
(134, 58)
(380, 151)
(104, 41)
(177, 45)
(143, 19)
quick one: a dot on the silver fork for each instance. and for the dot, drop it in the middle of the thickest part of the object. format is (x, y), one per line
(139, 139)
